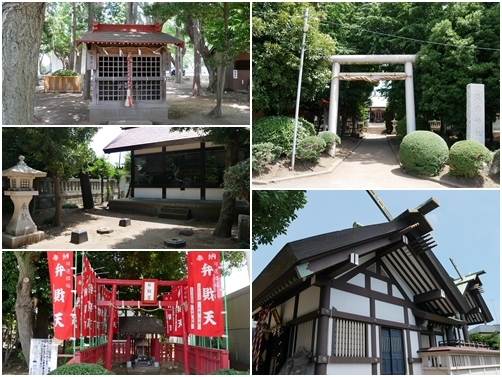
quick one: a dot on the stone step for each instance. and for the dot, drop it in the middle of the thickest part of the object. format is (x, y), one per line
(174, 213)
(132, 122)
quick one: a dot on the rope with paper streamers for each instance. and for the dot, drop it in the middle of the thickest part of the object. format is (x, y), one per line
(184, 304)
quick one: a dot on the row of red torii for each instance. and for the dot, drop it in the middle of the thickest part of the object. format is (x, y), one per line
(199, 300)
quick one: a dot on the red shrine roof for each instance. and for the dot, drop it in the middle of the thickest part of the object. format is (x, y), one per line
(128, 35)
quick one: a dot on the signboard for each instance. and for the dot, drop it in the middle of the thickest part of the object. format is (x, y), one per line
(235, 74)
(149, 291)
(43, 356)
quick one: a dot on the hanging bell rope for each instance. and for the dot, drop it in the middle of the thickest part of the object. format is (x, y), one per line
(128, 101)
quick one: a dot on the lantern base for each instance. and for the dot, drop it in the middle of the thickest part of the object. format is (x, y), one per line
(15, 242)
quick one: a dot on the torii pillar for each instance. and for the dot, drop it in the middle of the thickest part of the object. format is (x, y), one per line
(407, 60)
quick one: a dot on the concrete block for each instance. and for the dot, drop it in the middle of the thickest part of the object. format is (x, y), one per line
(125, 222)
(105, 230)
(79, 236)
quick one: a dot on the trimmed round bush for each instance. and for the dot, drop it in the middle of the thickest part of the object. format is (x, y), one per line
(329, 137)
(81, 369)
(468, 158)
(423, 152)
(310, 148)
(263, 154)
(279, 130)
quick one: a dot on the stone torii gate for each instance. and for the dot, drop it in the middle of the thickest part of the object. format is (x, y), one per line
(407, 75)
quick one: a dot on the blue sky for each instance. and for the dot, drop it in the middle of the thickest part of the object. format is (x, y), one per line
(466, 228)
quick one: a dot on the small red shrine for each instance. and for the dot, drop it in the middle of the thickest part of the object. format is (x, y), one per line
(129, 65)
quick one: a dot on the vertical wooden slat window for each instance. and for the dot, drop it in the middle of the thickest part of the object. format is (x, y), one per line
(349, 338)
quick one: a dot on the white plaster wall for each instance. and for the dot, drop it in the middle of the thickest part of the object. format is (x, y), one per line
(396, 292)
(358, 280)
(148, 193)
(309, 300)
(188, 193)
(350, 303)
(389, 312)
(411, 318)
(414, 343)
(287, 310)
(378, 285)
(183, 147)
(214, 194)
(417, 369)
(147, 151)
(349, 369)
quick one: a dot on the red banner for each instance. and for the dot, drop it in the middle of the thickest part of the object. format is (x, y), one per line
(91, 290)
(87, 299)
(61, 278)
(78, 307)
(205, 294)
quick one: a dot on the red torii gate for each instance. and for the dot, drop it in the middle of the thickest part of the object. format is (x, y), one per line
(165, 304)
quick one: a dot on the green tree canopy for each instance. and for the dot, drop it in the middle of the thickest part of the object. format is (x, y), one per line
(273, 211)
(277, 43)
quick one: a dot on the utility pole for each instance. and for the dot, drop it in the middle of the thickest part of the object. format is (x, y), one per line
(297, 109)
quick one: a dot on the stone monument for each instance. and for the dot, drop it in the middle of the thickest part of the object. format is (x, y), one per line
(21, 230)
(476, 113)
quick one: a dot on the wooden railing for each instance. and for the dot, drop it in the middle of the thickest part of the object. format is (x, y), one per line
(203, 360)
(90, 355)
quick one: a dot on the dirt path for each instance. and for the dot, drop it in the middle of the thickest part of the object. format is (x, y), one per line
(70, 109)
(145, 232)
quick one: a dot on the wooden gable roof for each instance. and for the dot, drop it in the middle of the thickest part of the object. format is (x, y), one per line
(149, 137)
(403, 245)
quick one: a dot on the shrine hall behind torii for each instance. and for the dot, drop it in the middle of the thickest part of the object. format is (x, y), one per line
(200, 360)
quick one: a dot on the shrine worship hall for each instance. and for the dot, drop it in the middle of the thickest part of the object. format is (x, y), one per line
(193, 312)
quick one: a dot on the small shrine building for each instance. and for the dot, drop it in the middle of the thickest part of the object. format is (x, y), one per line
(129, 65)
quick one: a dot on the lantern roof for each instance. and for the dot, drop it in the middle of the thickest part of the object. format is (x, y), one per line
(21, 169)
(128, 35)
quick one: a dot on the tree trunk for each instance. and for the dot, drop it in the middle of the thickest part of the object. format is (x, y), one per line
(195, 26)
(178, 66)
(222, 68)
(24, 305)
(71, 62)
(131, 12)
(224, 226)
(21, 33)
(85, 186)
(58, 202)
(220, 88)
(86, 93)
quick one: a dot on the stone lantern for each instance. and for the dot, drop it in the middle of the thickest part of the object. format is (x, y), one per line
(21, 229)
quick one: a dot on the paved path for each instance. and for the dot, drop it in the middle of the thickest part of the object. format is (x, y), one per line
(372, 165)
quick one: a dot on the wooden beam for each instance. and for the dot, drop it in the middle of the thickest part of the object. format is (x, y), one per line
(436, 294)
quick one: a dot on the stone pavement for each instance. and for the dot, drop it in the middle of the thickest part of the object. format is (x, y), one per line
(372, 164)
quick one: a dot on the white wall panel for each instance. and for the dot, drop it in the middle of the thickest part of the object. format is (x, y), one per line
(188, 193)
(148, 192)
(389, 312)
(350, 303)
(349, 369)
(358, 280)
(378, 285)
(309, 300)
